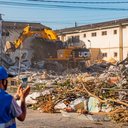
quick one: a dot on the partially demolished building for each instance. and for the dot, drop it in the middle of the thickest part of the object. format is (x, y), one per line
(10, 32)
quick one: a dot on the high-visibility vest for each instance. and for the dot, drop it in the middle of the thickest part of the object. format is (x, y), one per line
(6, 119)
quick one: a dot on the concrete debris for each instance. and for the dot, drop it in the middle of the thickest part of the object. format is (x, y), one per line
(39, 65)
(97, 68)
(93, 105)
(60, 106)
(79, 104)
(100, 88)
(31, 99)
(111, 60)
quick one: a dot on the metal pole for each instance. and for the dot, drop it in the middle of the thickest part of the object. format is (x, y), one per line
(90, 48)
(120, 42)
(19, 63)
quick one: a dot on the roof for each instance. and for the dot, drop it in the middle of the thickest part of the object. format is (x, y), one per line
(21, 25)
(92, 26)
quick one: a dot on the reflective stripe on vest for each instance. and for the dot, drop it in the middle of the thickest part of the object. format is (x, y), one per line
(6, 125)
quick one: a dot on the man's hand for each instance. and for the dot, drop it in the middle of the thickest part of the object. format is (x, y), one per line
(22, 93)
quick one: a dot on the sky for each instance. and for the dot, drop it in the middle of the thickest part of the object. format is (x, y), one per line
(59, 14)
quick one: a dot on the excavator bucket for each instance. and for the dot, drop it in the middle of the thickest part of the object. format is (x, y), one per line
(51, 35)
(26, 29)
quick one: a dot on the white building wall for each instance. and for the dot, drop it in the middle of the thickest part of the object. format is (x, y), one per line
(125, 53)
(125, 37)
(110, 53)
(107, 43)
(125, 42)
(101, 41)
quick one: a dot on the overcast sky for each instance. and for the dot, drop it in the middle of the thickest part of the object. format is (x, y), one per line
(63, 13)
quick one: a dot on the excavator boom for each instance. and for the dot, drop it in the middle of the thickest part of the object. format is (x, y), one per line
(46, 34)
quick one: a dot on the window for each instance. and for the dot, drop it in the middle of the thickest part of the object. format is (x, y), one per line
(115, 32)
(104, 33)
(104, 54)
(69, 40)
(5, 33)
(115, 54)
(73, 39)
(84, 35)
(94, 34)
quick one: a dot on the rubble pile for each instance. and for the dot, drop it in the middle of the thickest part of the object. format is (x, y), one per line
(85, 93)
(101, 88)
(98, 68)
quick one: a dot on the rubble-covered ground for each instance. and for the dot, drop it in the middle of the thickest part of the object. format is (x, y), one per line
(99, 90)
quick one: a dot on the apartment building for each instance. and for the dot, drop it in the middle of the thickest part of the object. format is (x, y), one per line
(110, 37)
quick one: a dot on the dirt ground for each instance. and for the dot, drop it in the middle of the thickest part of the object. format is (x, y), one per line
(35, 119)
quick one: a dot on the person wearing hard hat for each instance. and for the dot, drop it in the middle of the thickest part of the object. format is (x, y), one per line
(9, 109)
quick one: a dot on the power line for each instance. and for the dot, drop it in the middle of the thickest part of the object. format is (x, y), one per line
(81, 2)
(60, 6)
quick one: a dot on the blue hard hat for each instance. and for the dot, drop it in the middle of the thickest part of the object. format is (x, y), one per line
(3, 73)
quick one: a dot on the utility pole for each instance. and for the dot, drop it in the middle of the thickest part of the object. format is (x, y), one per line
(120, 42)
(76, 24)
(1, 43)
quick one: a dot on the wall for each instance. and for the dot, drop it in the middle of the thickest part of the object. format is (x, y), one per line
(108, 44)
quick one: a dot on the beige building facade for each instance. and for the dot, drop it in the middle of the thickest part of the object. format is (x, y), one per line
(110, 37)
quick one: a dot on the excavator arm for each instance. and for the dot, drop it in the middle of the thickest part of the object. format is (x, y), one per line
(22, 37)
(46, 34)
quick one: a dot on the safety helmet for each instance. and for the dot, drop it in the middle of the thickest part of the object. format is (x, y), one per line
(3, 73)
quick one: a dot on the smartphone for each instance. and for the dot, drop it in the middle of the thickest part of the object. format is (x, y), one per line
(24, 82)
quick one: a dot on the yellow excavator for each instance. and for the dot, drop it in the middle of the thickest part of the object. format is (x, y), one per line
(63, 55)
(47, 34)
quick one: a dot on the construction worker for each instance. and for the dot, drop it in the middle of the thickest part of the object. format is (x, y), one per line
(9, 109)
